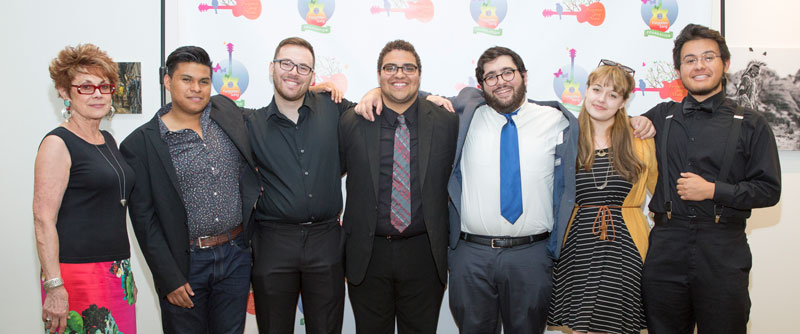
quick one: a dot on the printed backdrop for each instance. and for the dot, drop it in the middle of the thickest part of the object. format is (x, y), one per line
(560, 42)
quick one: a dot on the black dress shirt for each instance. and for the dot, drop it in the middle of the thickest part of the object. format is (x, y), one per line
(298, 164)
(696, 144)
(388, 126)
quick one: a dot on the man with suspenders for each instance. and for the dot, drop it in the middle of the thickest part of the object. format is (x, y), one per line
(717, 161)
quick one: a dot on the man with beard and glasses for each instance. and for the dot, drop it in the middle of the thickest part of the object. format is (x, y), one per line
(716, 162)
(297, 240)
(512, 190)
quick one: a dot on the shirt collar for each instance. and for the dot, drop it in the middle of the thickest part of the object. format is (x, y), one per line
(715, 100)
(390, 116)
(205, 118)
(309, 105)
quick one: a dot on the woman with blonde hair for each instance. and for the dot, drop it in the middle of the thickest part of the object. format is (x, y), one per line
(597, 285)
(80, 191)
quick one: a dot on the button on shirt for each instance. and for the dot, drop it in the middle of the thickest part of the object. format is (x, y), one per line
(388, 119)
(697, 143)
(540, 129)
(298, 164)
(208, 170)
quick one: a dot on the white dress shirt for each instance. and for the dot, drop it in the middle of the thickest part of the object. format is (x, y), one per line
(539, 130)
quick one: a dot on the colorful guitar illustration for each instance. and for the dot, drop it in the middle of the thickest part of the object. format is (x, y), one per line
(594, 14)
(421, 10)
(316, 13)
(251, 9)
(230, 85)
(659, 20)
(673, 90)
(572, 92)
(488, 17)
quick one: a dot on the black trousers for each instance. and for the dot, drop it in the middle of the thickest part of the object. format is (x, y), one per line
(290, 258)
(697, 273)
(401, 282)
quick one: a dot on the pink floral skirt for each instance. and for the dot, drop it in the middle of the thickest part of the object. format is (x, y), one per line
(101, 297)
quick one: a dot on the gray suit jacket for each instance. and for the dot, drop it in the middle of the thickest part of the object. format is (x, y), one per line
(467, 101)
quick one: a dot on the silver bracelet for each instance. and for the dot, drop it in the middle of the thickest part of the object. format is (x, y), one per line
(53, 283)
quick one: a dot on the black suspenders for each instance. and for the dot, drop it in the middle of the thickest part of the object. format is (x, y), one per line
(727, 157)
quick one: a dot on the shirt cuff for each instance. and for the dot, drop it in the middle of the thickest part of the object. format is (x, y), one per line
(723, 193)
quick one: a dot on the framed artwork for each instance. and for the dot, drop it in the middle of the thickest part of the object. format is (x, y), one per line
(127, 99)
(768, 80)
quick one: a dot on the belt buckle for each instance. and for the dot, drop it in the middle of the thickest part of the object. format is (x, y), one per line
(200, 242)
(493, 240)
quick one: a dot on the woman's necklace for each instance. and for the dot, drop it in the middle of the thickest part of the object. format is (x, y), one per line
(120, 181)
(603, 150)
(602, 153)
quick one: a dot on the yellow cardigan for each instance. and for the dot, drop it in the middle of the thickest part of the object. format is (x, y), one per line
(632, 213)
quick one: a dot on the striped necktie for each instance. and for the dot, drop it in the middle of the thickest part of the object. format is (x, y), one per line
(401, 177)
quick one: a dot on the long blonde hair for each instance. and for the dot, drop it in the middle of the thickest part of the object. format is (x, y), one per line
(624, 159)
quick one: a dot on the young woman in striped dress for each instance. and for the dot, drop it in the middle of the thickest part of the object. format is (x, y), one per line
(597, 285)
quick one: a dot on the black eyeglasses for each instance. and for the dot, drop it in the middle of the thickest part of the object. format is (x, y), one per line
(288, 65)
(407, 68)
(606, 62)
(88, 89)
(507, 75)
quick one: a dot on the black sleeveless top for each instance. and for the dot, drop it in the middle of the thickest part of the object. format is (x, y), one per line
(91, 222)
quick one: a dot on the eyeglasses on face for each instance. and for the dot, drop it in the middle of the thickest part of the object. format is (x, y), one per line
(407, 68)
(507, 74)
(88, 89)
(288, 65)
(707, 58)
(606, 62)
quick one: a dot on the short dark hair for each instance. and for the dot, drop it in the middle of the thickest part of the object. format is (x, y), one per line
(187, 54)
(398, 44)
(694, 32)
(299, 42)
(492, 54)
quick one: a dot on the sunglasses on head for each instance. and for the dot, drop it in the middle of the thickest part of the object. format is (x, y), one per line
(606, 62)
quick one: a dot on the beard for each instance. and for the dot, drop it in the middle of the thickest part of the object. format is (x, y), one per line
(279, 88)
(506, 107)
(706, 91)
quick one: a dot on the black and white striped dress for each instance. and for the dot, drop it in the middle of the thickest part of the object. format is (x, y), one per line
(597, 282)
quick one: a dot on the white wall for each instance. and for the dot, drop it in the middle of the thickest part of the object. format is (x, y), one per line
(772, 232)
(33, 32)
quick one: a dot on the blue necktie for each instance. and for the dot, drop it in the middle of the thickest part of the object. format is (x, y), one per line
(510, 180)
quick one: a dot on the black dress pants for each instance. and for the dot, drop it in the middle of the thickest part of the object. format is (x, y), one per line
(401, 282)
(697, 273)
(291, 259)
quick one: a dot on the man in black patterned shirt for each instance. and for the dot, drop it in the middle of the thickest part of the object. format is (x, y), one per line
(194, 195)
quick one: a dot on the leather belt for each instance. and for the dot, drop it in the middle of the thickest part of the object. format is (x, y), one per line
(302, 223)
(216, 240)
(661, 219)
(503, 242)
(398, 237)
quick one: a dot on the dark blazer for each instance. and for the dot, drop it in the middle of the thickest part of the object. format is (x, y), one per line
(157, 211)
(359, 142)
